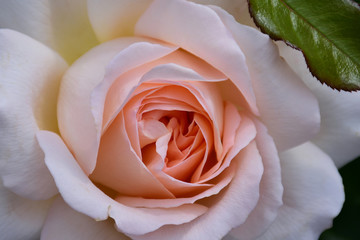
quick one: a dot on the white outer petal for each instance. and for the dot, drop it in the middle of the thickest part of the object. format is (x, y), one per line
(30, 74)
(313, 195)
(21, 218)
(115, 18)
(339, 134)
(239, 9)
(61, 25)
(81, 227)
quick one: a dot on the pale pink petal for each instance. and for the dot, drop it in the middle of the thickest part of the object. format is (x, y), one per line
(205, 91)
(21, 218)
(82, 195)
(30, 74)
(220, 183)
(150, 130)
(244, 134)
(271, 189)
(113, 19)
(120, 169)
(313, 194)
(61, 25)
(196, 28)
(339, 134)
(287, 107)
(176, 66)
(228, 209)
(63, 222)
(75, 109)
(180, 189)
(122, 77)
(239, 9)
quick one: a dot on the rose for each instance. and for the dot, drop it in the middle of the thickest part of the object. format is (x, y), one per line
(247, 190)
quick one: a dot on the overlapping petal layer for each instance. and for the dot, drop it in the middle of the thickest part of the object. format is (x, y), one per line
(70, 178)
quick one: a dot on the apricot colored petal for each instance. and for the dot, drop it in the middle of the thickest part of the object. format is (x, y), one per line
(219, 184)
(205, 91)
(80, 105)
(61, 25)
(244, 134)
(180, 189)
(196, 28)
(313, 194)
(339, 134)
(119, 168)
(277, 88)
(21, 218)
(107, 102)
(81, 227)
(30, 74)
(228, 209)
(177, 66)
(82, 195)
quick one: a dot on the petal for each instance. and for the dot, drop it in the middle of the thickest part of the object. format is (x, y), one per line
(118, 167)
(339, 134)
(220, 183)
(61, 25)
(171, 74)
(196, 28)
(79, 102)
(313, 194)
(239, 9)
(176, 66)
(113, 19)
(228, 209)
(30, 74)
(82, 195)
(81, 227)
(287, 107)
(21, 218)
(271, 189)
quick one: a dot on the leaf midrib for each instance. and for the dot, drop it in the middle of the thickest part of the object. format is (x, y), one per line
(318, 30)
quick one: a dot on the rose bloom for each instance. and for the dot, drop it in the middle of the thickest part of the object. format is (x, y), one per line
(163, 119)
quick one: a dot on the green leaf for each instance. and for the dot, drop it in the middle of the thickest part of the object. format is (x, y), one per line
(326, 31)
(346, 225)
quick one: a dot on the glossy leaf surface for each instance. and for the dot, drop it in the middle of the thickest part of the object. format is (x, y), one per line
(326, 31)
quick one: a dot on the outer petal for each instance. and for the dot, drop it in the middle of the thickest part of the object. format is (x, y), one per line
(287, 107)
(271, 189)
(115, 18)
(82, 195)
(81, 227)
(77, 102)
(239, 9)
(196, 28)
(29, 78)
(20, 218)
(339, 134)
(61, 25)
(313, 194)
